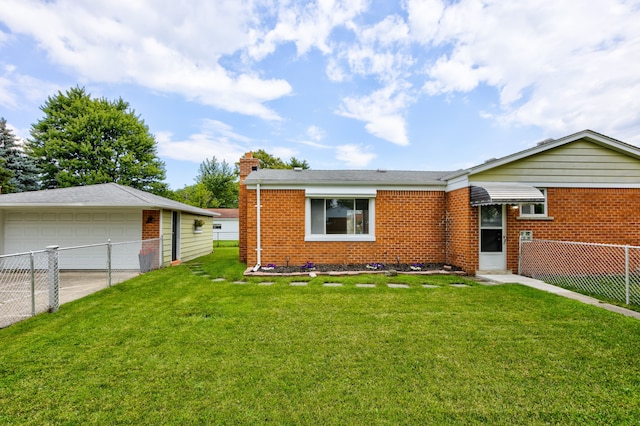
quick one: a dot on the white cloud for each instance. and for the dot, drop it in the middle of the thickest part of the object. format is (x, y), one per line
(316, 133)
(382, 111)
(354, 156)
(380, 50)
(175, 48)
(216, 139)
(308, 25)
(20, 91)
(557, 66)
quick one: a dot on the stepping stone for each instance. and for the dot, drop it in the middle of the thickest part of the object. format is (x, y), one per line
(239, 282)
(366, 285)
(298, 283)
(392, 285)
(459, 285)
(218, 280)
(265, 283)
(430, 286)
(332, 284)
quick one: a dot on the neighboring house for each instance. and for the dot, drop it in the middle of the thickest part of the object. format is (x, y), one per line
(93, 214)
(583, 187)
(225, 226)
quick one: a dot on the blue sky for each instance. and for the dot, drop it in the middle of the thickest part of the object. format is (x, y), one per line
(352, 84)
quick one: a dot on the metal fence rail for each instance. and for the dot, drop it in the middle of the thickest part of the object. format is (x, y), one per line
(606, 270)
(39, 281)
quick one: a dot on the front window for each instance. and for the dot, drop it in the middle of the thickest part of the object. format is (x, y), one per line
(338, 219)
(537, 209)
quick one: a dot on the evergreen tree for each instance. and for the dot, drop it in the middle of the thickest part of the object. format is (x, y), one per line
(5, 175)
(20, 172)
(84, 141)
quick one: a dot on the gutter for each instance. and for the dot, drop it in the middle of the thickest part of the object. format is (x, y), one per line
(258, 241)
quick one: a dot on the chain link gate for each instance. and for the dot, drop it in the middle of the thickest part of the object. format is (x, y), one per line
(605, 270)
(39, 281)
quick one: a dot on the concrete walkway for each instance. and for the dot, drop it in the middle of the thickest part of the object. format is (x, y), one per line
(530, 282)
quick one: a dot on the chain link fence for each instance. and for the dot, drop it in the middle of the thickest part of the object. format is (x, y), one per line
(39, 281)
(601, 270)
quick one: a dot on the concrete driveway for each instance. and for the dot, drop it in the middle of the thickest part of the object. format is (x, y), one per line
(77, 284)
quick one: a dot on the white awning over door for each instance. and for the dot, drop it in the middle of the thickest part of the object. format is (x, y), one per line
(504, 193)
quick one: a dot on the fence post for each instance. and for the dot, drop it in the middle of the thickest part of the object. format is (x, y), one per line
(626, 273)
(109, 262)
(33, 285)
(519, 254)
(54, 278)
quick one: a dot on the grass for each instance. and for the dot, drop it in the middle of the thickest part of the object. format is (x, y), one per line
(172, 347)
(607, 288)
(225, 243)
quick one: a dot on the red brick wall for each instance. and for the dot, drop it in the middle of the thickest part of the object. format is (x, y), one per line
(150, 228)
(604, 215)
(408, 224)
(247, 163)
(422, 226)
(462, 231)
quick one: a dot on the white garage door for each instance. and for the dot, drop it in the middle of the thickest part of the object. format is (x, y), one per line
(27, 231)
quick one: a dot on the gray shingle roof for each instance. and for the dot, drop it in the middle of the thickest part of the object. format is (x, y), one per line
(102, 195)
(345, 177)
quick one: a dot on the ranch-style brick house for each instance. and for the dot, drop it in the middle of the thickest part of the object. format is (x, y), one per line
(584, 187)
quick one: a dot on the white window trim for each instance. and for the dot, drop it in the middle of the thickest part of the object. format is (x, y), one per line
(371, 236)
(544, 214)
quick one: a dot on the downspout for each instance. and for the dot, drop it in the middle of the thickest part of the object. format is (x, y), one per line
(258, 242)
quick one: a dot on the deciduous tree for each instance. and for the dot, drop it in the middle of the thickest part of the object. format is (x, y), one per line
(83, 141)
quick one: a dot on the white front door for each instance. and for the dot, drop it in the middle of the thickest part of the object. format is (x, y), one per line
(493, 253)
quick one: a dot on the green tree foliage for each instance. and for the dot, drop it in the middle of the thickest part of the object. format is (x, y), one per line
(18, 172)
(269, 161)
(5, 175)
(221, 180)
(216, 186)
(84, 141)
(195, 195)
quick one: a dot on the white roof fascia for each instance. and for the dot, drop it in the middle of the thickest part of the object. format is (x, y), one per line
(458, 183)
(336, 188)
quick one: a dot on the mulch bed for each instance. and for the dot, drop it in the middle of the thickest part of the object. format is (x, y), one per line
(358, 268)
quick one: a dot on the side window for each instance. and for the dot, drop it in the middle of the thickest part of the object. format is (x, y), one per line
(340, 219)
(538, 209)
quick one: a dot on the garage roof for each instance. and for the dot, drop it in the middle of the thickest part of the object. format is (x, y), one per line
(101, 195)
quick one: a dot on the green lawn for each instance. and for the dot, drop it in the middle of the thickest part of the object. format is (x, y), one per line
(175, 347)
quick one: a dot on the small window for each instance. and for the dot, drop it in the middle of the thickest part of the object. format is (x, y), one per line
(217, 226)
(537, 209)
(339, 219)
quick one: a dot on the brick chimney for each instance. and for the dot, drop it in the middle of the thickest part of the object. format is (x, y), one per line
(247, 165)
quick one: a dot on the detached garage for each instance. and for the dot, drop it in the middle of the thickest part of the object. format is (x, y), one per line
(94, 214)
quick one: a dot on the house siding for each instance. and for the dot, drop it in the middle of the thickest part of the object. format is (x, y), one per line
(580, 162)
(409, 225)
(166, 237)
(193, 245)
